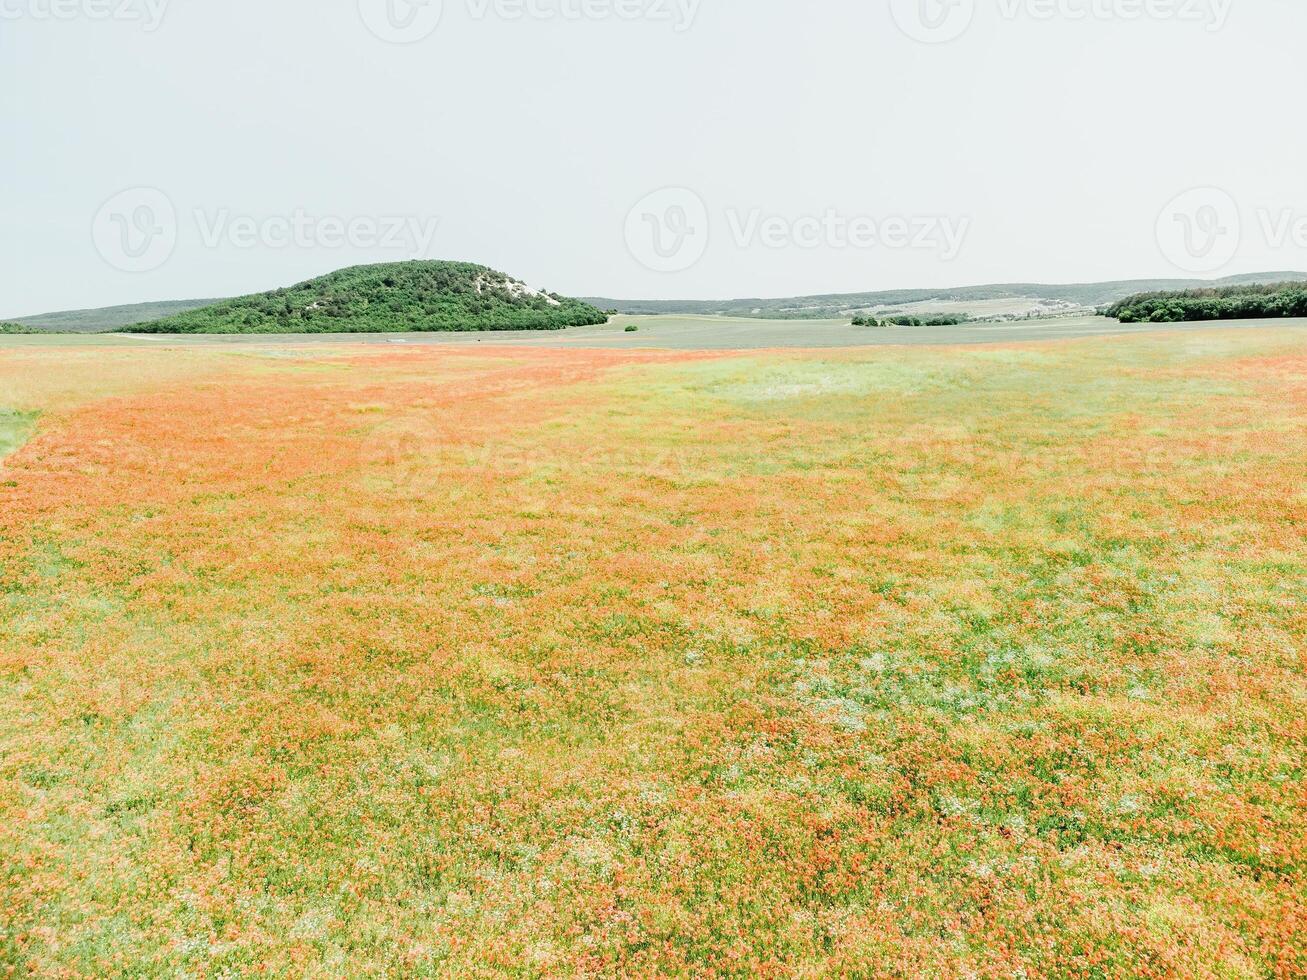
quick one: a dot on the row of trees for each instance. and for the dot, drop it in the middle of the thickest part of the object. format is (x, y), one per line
(939, 320)
(1229, 303)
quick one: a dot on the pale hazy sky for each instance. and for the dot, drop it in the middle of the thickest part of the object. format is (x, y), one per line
(823, 146)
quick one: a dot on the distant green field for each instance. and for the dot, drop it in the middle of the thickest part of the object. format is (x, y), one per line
(686, 333)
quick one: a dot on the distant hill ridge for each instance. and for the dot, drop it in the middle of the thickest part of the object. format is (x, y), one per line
(394, 297)
(819, 306)
(835, 305)
(109, 317)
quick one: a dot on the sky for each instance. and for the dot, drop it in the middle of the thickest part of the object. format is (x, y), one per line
(652, 149)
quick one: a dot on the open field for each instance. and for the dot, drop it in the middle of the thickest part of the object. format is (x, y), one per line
(346, 657)
(681, 333)
(981, 309)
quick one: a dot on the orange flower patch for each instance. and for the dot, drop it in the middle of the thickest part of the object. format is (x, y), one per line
(924, 661)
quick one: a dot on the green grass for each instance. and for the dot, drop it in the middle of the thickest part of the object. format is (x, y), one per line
(15, 429)
(444, 660)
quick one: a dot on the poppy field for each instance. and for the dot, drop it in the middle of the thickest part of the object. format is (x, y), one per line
(332, 660)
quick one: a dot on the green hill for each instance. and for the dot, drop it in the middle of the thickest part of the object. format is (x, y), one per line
(390, 298)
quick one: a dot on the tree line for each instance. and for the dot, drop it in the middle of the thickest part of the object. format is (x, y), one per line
(939, 320)
(1229, 303)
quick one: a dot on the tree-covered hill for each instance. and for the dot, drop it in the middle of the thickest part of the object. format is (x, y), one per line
(396, 297)
(1244, 302)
